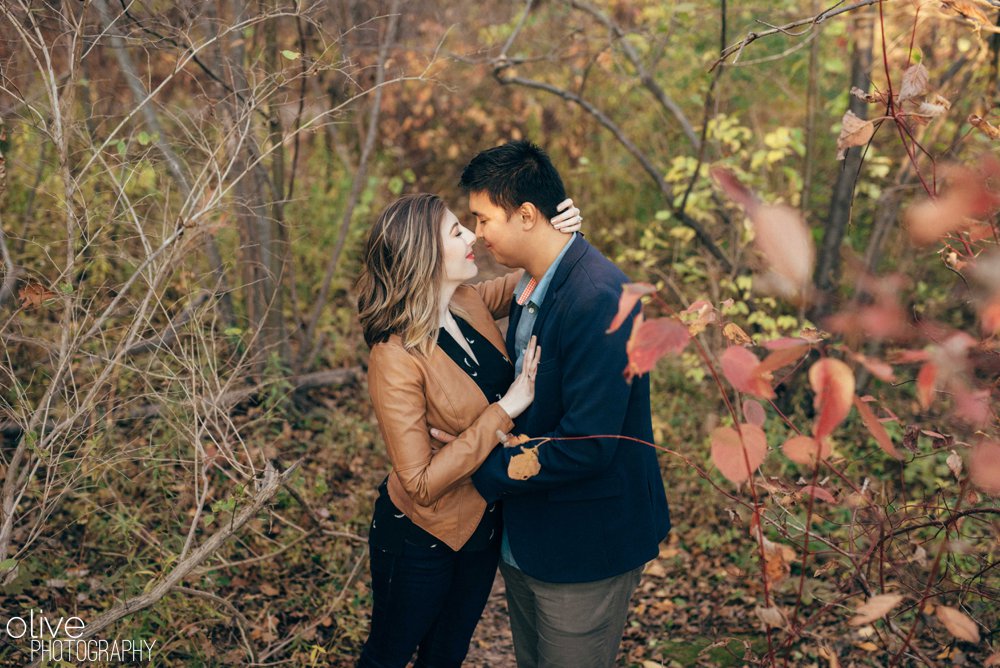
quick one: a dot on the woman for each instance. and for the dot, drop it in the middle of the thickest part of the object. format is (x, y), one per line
(437, 361)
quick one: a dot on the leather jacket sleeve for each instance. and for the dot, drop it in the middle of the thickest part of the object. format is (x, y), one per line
(425, 468)
(498, 293)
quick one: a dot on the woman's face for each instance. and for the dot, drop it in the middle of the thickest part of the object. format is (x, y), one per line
(456, 250)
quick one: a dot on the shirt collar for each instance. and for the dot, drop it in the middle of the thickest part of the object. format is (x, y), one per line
(529, 289)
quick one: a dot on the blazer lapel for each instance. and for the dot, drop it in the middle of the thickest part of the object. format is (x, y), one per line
(566, 265)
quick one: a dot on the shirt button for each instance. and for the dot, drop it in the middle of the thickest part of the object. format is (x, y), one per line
(531, 309)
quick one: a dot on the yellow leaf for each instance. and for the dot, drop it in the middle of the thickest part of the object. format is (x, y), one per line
(524, 465)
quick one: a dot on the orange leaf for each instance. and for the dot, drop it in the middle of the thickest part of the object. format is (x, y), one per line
(833, 383)
(805, 450)
(631, 292)
(652, 339)
(728, 451)
(739, 366)
(925, 384)
(984, 467)
(875, 608)
(877, 430)
(854, 131)
(958, 624)
(524, 465)
(754, 413)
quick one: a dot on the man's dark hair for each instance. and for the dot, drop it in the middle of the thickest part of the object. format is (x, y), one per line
(513, 174)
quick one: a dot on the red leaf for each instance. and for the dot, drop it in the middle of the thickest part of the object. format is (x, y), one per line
(972, 406)
(876, 429)
(754, 413)
(805, 450)
(728, 451)
(631, 292)
(783, 237)
(877, 368)
(989, 316)
(925, 384)
(966, 198)
(651, 340)
(789, 342)
(739, 366)
(818, 492)
(780, 234)
(781, 357)
(833, 383)
(984, 467)
(735, 190)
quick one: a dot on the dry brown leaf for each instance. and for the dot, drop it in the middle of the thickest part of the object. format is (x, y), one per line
(984, 126)
(915, 80)
(772, 617)
(874, 609)
(524, 465)
(854, 131)
(954, 462)
(958, 624)
(34, 295)
(736, 335)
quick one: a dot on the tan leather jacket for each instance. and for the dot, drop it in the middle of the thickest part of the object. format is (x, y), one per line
(412, 393)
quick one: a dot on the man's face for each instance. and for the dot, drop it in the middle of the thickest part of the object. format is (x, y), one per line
(498, 232)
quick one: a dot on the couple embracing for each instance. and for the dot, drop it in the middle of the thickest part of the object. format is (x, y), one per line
(571, 539)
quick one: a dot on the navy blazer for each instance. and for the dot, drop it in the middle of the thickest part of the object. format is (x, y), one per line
(597, 508)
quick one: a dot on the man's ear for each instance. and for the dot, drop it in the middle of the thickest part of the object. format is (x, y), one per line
(528, 215)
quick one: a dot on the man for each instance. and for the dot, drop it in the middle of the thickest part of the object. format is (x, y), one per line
(577, 533)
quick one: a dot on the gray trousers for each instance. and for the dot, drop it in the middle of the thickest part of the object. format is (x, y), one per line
(577, 625)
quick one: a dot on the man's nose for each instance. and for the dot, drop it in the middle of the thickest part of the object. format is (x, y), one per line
(479, 230)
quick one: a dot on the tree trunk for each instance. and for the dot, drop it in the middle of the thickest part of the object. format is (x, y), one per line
(828, 265)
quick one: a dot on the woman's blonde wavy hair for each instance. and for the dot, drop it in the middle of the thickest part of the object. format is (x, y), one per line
(400, 283)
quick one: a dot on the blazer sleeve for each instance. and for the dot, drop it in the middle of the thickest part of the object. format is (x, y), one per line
(595, 398)
(498, 293)
(399, 398)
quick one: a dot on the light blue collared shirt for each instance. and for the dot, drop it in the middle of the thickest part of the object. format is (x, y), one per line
(529, 314)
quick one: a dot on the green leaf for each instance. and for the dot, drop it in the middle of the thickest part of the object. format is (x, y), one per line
(66, 288)
(122, 148)
(7, 564)
(395, 185)
(409, 176)
(232, 331)
(291, 55)
(144, 138)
